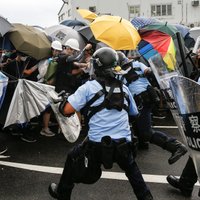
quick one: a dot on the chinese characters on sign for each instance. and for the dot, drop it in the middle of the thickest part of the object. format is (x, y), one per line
(191, 126)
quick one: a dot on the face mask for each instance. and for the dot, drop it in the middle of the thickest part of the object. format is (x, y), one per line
(23, 58)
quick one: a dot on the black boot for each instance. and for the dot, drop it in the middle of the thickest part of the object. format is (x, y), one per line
(177, 149)
(170, 144)
(53, 190)
(184, 186)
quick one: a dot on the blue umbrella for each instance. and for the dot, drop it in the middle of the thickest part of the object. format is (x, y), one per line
(3, 86)
(184, 30)
(6, 44)
(141, 22)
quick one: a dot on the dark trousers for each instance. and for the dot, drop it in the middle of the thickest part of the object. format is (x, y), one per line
(189, 175)
(126, 163)
(146, 134)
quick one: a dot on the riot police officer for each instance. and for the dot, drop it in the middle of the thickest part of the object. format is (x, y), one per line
(146, 97)
(108, 104)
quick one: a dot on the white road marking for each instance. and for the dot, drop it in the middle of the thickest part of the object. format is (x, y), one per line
(105, 175)
(2, 156)
(170, 127)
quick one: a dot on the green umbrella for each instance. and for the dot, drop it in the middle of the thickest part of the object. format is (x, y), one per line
(162, 27)
(30, 41)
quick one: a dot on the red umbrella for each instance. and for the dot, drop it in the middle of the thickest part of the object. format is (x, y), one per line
(163, 44)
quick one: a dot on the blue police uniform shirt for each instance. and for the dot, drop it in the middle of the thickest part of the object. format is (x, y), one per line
(105, 122)
(140, 85)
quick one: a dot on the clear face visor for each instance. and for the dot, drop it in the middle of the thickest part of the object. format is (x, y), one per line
(91, 67)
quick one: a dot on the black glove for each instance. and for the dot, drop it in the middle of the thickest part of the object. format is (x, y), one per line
(63, 102)
(61, 107)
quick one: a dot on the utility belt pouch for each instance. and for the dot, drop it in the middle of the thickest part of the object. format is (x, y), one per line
(79, 163)
(107, 152)
(83, 165)
(153, 95)
(123, 148)
(139, 101)
(134, 146)
(142, 99)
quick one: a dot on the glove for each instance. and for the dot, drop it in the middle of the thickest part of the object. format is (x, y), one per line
(63, 102)
(62, 106)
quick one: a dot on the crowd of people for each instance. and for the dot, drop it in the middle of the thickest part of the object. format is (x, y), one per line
(114, 96)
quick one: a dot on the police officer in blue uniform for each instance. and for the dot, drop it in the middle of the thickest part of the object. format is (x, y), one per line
(146, 97)
(108, 104)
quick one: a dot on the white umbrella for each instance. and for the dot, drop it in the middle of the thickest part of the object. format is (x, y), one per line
(30, 99)
(62, 33)
(5, 26)
(70, 126)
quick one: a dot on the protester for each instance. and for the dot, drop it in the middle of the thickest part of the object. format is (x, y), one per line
(69, 67)
(49, 78)
(145, 98)
(108, 103)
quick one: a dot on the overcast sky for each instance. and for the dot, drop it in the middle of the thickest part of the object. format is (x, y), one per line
(31, 12)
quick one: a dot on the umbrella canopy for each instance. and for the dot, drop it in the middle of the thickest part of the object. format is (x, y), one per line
(62, 33)
(70, 126)
(184, 30)
(86, 32)
(5, 26)
(195, 32)
(158, 42)
(6, 44)
(162, 27)
(87, 14)
(30, 41)
(73, 23)
(141, 22)
(30, 99)
(116, 32)
(3, 86)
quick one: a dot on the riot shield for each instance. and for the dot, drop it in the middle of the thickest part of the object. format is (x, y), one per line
(163, 71)
(186, 93)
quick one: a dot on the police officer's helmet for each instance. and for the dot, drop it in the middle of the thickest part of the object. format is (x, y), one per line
(105, 60)
(123, 61)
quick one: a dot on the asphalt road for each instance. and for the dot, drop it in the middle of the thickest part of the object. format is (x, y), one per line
(31, 167)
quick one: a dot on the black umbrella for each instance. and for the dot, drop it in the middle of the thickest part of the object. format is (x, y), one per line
(73, 22)
(87, 34)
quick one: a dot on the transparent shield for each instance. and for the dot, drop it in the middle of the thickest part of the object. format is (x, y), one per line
(163, 71)
(186, 94)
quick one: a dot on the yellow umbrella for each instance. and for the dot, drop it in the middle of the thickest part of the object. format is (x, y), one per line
(116, 32)
(87, 14)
